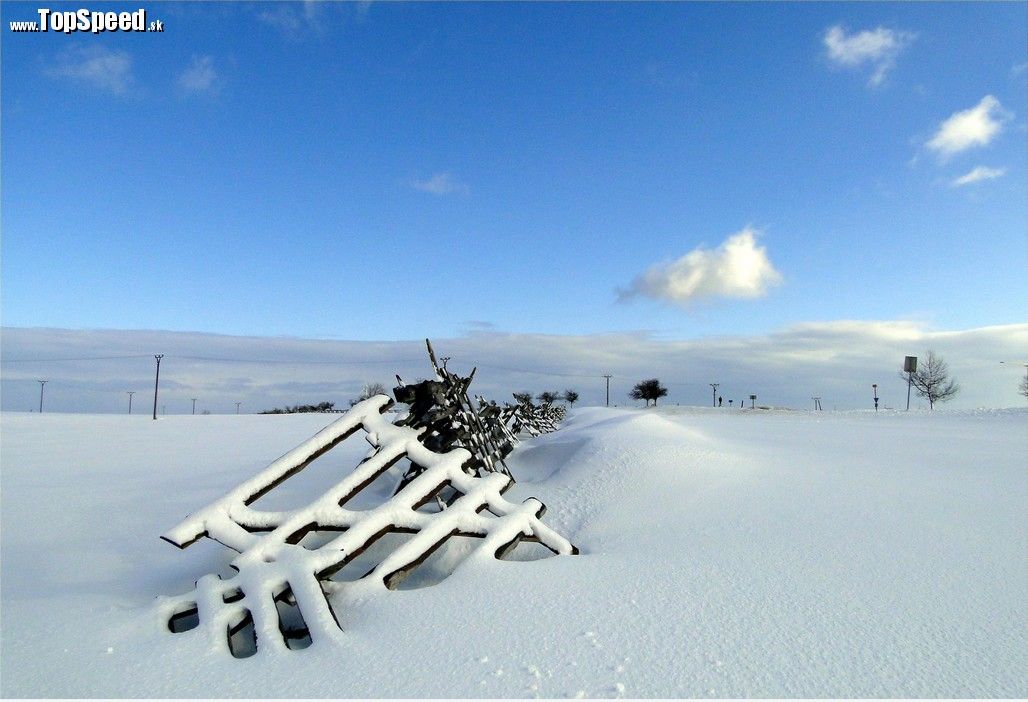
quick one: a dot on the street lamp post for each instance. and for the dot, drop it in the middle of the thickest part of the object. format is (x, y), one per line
(874, 386)
(41, 384)
(130, 393)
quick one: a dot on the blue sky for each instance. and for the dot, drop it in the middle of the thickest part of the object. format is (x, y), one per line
(396, 171)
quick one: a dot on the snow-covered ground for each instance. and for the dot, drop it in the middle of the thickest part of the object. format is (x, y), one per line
(724, 553)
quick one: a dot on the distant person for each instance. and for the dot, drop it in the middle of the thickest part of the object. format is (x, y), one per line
(719, 401)
(729, 402)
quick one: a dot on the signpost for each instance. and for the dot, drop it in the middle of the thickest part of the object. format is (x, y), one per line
(909, 367)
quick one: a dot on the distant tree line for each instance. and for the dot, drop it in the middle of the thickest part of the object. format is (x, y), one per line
(931, 381)
(301, 409)
(548, 397)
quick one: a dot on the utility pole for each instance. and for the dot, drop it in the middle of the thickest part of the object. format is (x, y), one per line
(817, 403)
(130, 393)
(715, 386)
(608, 377)
(156, 380)
(237, 407)
(194, 404)
(874, 386)
(41, 384)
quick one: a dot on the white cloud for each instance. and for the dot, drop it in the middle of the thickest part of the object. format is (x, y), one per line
(200, 76)
(836, 360)
(282, 17)
(363, 7)
(977, 174)
(976, 126)
(294, 19)
(877, 48)
(738, 268)
(96, 66)
(441, 184)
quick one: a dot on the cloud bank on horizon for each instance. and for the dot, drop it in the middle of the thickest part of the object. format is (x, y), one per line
(837, 361)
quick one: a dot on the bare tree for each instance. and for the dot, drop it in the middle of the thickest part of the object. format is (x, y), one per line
(523, 398)
(931, 380)
(648, 390)
(571, 397)
(370, 390)
(548, 397)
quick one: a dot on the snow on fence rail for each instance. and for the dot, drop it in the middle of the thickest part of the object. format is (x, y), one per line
(454, 487)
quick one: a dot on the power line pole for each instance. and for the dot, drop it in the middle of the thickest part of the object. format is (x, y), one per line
(608, 377)
(156, 380)
(817, 403)
(194, 404)
(715, 386)
(130, 393)
(41, 384)
(237, 407)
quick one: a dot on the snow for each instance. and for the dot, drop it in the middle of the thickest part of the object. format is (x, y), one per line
(724, 553)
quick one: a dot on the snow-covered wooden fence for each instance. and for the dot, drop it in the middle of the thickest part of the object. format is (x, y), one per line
(454, 487)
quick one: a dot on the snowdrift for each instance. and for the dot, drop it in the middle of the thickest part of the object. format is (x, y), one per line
(724, 553)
